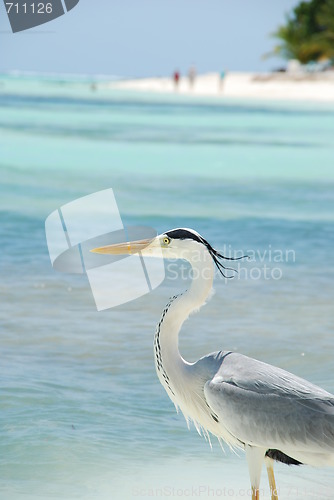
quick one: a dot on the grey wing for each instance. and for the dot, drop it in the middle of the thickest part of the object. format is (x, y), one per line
(266, 406)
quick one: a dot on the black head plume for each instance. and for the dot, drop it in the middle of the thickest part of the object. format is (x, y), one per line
(185, 234)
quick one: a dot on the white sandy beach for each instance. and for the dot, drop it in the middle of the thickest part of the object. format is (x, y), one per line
(299, 86)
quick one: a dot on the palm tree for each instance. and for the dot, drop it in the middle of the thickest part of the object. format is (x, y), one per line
(308, 34)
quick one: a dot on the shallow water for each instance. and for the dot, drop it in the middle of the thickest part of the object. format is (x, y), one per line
(82, 412)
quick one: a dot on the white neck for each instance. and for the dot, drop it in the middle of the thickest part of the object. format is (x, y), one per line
(169, 363)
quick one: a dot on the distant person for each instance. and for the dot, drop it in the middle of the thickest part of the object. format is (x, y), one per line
(222, 78)
(192, 76)
(176, 79)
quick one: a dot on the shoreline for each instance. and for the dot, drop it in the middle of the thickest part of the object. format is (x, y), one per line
(318, 87)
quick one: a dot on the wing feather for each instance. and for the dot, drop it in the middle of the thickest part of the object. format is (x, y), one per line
(267, 406)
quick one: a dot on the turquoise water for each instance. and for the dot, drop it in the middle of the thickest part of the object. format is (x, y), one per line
(82, 412)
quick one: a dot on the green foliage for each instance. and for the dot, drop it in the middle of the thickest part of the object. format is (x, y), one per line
(308, 34)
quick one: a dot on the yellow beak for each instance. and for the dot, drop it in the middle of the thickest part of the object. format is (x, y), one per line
(128, 248)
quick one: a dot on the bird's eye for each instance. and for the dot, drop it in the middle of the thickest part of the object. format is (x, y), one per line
(166, 240)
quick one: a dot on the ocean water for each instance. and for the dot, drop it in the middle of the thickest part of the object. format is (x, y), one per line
(83, 415)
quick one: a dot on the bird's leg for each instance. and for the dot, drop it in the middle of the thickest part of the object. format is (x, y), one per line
(255, 493)
(255, 457)
(271, 477)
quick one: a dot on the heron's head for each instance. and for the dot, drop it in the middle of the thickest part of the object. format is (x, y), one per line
(180, 243)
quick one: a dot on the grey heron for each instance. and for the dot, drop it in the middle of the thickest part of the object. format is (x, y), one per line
(270, 413)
